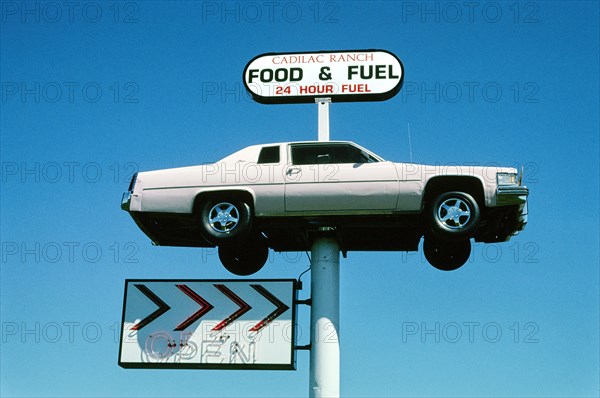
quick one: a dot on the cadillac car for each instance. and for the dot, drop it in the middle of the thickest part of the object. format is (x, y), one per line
(280, 196)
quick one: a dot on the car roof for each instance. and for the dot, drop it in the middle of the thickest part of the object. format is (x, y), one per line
(305, 142)
(253, 150)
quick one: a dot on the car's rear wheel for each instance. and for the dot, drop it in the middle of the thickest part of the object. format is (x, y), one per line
(446, 256)
(224, 221)
(454, 216)
(246, 258)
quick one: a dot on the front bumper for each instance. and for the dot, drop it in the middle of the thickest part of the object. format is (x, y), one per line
(514, 196)
(511, 195)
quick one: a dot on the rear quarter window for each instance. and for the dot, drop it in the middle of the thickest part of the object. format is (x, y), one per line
(269, 154)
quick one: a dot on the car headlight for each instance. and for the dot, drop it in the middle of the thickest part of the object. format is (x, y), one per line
(506, 178)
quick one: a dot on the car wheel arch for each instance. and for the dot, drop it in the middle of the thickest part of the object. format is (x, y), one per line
(438, 185)
(237, 194)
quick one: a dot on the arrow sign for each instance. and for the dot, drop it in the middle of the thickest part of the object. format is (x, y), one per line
(162, 307)
(281, 308)
(209, 324)
(244, 307)
(205, 307)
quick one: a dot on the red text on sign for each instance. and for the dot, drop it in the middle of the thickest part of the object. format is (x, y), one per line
(355, 88)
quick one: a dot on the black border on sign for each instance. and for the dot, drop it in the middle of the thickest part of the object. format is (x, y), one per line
(262, 366)
(310, 99)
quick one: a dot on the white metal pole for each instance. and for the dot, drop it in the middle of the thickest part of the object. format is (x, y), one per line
(325, 317)
(325, 294)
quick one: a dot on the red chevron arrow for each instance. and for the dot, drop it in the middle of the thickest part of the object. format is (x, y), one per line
(205, 307)
(244, 307)
(281, 308)
(162, 307)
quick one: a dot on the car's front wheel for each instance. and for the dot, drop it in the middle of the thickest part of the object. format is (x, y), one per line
(224, 221)
(454, 216)
(446, 256)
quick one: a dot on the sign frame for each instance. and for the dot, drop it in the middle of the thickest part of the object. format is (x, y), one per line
(312, 98)
(291, 365)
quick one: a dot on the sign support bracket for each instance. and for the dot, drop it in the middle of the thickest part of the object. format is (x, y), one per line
(323, 106)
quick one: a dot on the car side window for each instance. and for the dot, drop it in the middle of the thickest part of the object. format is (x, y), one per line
(305, 154)
(269, 154)
(324, 154)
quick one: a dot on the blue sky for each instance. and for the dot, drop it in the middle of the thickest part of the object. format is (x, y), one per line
(94, 91)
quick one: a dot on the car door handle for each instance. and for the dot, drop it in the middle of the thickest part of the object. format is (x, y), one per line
(293, 170)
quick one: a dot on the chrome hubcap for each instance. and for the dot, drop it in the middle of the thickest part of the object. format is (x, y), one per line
(224, 217)
(454, 213)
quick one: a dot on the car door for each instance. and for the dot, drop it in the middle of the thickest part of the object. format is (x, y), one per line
(330, 177)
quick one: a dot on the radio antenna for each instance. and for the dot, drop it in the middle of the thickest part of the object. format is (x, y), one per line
(409, 144)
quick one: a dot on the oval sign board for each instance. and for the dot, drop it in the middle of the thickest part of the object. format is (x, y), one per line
(343, 76)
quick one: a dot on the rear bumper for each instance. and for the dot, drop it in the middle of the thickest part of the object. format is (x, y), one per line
(126, 201)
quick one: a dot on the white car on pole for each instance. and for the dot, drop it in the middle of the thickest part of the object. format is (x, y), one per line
(276, 195)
